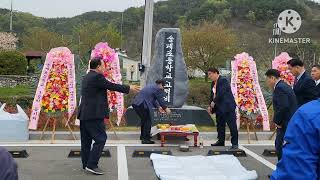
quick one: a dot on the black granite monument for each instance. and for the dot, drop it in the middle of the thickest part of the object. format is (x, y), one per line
(168, 64)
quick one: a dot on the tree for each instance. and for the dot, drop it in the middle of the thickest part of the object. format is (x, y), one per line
(23, 21)
(133, 41)
(44, 40)
(208, 45)
(258, 47)
(308, 53)
(265, 10)
(112, 36)
(89, 34)
(208, 10)
(227, 13)
(252, 17)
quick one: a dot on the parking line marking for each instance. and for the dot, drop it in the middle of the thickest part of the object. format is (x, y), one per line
(122, 163)
(259, 158)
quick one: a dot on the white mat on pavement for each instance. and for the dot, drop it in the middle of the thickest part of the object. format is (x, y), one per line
(220, 167)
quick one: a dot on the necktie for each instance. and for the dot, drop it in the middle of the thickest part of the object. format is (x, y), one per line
(295, 81)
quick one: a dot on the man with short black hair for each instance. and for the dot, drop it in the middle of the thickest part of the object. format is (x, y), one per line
(93, 110)
(304, 87)
(315, 74)
(223, 104)
(284, 106)
(151, 96)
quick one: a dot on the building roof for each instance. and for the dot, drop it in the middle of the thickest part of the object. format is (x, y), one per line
(34, 54)
(126, 57)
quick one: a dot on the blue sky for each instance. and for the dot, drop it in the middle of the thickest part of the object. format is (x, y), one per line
(69, 8)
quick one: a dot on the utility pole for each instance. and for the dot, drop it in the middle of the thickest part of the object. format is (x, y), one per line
(147, 40)
(79, 42)
(11, 16)
(121, 31)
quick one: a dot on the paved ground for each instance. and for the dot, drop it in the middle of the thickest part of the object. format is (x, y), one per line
(259, 150)
(142, 167)
(50, 162)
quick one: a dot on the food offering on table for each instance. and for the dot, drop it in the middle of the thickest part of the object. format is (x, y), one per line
(163, 126)
(177, 128)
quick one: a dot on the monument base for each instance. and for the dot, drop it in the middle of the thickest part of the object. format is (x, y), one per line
(179, 116)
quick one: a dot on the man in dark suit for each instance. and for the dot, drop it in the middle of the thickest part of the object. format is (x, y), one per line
(315, 74)
(223, 104)
(8, 167)
(151, 96)
(284, 106)
(92, 111)
(304, 86)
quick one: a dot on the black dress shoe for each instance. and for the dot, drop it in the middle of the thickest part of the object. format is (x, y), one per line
(141, 138)
(147, 142)
(218, 143)
(233, 148)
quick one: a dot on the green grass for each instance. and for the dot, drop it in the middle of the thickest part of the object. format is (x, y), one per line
(15, 91)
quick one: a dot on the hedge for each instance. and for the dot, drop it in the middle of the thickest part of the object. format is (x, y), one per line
(12, 63)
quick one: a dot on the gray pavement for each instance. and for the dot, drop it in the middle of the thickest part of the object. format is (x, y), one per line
(52, 163)
(259, 150)
(141, 168)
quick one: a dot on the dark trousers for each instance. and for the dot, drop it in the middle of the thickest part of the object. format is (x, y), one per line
(144, 114)
(92, 130)
(230, 119)
(279, 142)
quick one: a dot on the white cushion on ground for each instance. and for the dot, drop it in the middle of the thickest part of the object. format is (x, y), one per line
(220, 167)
